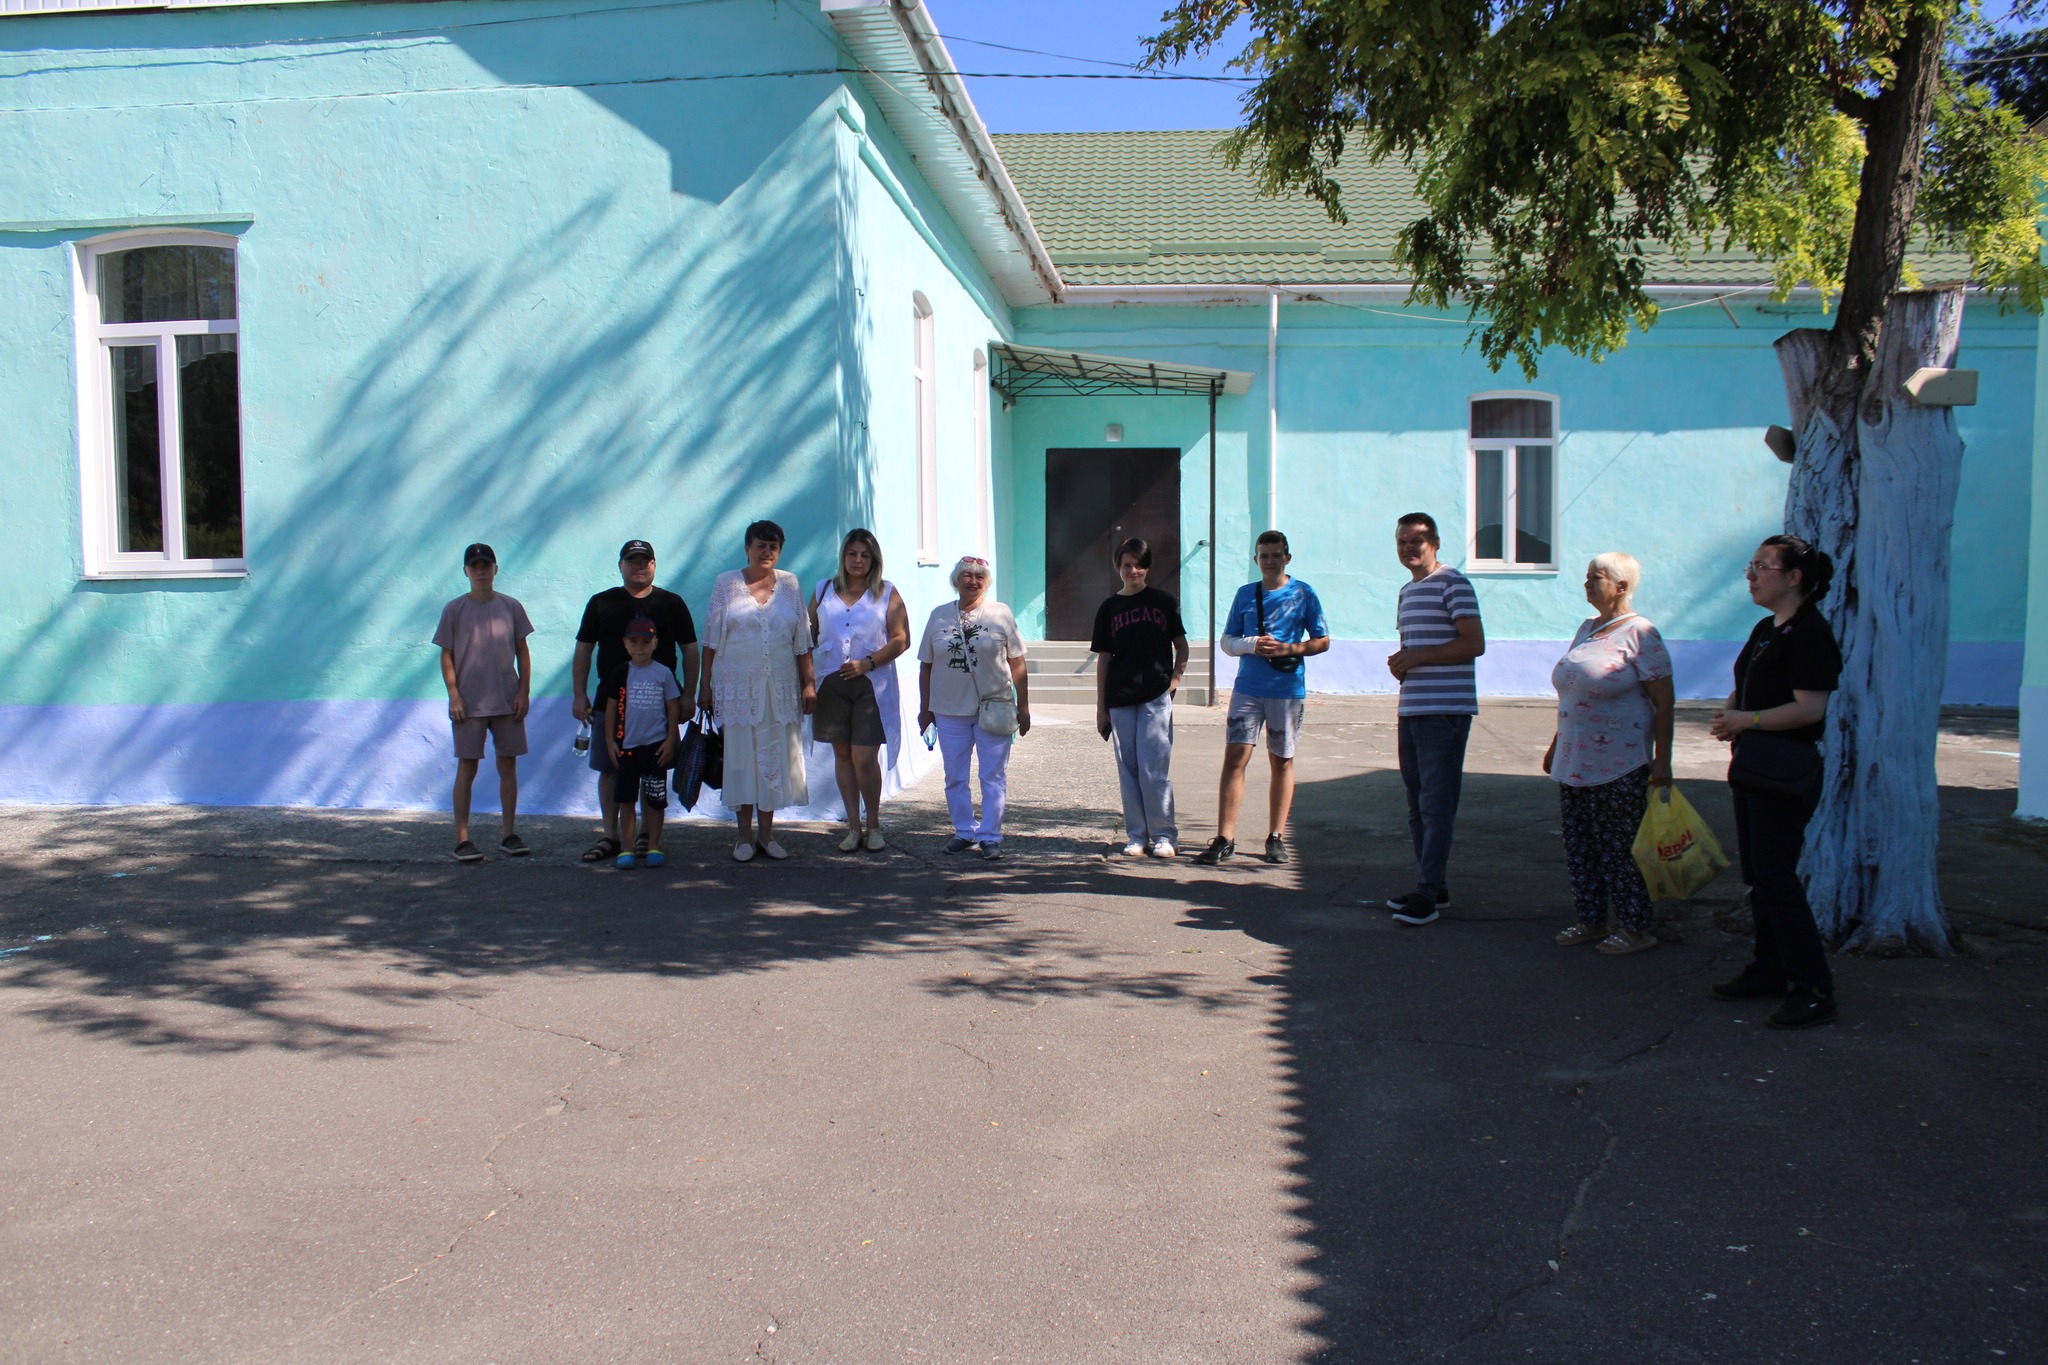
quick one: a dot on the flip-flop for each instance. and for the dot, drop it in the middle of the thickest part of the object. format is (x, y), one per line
(603, 851)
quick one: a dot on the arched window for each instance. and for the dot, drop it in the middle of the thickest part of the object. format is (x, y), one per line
(925, 419)
(159, 381)
(1512, 439)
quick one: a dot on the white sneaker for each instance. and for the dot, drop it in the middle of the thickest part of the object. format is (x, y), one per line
(1134, 849)
(850, 841)
(876, 843)
(1162, 848)
(743, 853)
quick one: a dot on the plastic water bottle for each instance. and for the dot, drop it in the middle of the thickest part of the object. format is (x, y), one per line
(931, 735)
(583, 737)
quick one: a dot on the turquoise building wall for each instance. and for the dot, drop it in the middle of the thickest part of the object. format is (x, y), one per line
(507, 272)
(1661, 454)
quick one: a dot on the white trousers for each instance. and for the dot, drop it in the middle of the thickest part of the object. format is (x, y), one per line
(959, 740)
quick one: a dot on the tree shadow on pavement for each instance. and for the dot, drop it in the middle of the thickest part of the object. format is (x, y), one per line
(1510, 1150)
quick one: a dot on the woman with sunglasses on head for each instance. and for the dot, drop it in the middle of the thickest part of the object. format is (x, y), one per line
(1774, 718)
(861, 625)
(972, 689)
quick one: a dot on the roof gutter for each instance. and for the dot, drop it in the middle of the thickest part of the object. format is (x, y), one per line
(937, 64)
(1398, 293)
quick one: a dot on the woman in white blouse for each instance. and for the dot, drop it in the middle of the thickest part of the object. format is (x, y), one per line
(756, 681)
(1613, 743)
(860, 623)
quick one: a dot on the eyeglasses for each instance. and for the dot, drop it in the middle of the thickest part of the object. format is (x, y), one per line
(1757, 566)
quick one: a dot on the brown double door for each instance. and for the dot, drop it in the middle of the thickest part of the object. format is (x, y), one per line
(1093, 500)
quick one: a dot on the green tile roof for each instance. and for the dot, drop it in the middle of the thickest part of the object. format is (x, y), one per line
(1162, 208)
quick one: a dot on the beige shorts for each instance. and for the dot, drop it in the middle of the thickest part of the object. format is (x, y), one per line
(508, 736)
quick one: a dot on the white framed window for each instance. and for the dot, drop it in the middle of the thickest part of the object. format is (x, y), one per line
(983, 456)
(925, 416)
(1512, 463)
(159, 405)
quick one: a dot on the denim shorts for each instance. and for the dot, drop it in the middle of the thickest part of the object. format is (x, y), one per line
(1280, 717)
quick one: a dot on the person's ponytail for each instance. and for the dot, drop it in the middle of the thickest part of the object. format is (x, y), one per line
(1816, 570)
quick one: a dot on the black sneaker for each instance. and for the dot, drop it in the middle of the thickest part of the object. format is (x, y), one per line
(1220, 850)
(1276, 849)
(990, 853)
(1804, 1007)
(467, 852)
(512, 846)
(1400, 902)
(958, 844)
(1417, 909)
(1749, 984)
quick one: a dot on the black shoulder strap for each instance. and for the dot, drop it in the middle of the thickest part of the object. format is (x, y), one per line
(1260, 590)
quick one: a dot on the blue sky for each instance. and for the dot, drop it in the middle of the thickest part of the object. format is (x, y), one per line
(1105, 30)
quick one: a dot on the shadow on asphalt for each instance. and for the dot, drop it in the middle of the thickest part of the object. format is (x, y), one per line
(1501, 1150)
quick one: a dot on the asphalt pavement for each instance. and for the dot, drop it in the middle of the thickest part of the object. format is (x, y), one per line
(291, 1086)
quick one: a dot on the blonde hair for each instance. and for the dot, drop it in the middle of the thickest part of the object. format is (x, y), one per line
(1622, 568)
(865, 537)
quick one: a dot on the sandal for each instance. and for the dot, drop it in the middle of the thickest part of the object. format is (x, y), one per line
(1625, 941)
(603, 851)
(1577, 934)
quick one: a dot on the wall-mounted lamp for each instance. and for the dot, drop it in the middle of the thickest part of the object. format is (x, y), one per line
(1113, 433)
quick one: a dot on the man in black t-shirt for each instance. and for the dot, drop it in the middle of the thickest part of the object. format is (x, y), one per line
(1142, 651)
(603, 633)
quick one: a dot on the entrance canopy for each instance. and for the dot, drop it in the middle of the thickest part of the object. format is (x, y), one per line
(1023, 371)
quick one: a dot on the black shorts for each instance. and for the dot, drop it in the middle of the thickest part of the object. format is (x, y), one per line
(641, 765)
(847, 712)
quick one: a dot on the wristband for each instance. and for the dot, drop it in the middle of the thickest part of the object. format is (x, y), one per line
(1756, 720)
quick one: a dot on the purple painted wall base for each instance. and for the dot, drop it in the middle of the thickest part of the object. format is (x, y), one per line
(1979, 673)
(375, 755)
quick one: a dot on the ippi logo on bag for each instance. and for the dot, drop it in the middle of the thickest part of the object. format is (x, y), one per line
(1672, 852)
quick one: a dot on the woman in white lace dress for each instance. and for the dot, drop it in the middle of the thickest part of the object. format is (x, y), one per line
(757, 682)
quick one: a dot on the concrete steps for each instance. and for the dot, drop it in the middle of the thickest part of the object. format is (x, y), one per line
(1063, 672)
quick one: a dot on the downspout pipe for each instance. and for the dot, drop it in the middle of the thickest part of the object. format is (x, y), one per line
(1273, 408)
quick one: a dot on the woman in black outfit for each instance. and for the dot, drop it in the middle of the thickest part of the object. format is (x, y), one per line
(1782, 680)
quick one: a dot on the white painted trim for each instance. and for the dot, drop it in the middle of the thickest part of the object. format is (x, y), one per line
(1098, 294)
(1510, 486)
(984, 458)
(925, 425)
(92, 340)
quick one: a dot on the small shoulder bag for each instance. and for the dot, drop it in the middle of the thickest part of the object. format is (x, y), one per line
(1770, 763)
(1284, 663)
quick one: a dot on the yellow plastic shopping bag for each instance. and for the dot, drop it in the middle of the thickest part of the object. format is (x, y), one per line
(1676, 850)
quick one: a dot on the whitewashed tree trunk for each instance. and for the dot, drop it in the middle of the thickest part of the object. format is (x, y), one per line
(1874, 485)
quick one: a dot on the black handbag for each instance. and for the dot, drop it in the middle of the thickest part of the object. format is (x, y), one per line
(1776, 765)
(1772, 763)
(1285, 663)
(700, 762)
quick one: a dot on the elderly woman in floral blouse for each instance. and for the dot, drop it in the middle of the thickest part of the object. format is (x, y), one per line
(757, 682)
(1613, 743)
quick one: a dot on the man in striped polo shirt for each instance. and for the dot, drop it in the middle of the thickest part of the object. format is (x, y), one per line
(1440, 637)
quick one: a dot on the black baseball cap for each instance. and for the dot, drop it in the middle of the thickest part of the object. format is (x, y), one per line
(636, 549)
(479, 553)
(642, 626)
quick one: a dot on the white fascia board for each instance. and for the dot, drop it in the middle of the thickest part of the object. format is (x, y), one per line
(1308, 293)
(9, 8)
(933, 117)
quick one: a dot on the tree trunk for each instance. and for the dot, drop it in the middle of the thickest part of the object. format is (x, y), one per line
(1874, 486)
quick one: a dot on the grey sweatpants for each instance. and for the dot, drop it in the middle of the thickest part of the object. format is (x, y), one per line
(1143, 736)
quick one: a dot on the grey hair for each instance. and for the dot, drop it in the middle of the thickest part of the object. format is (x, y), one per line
(1622, 568)
(963, 562)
